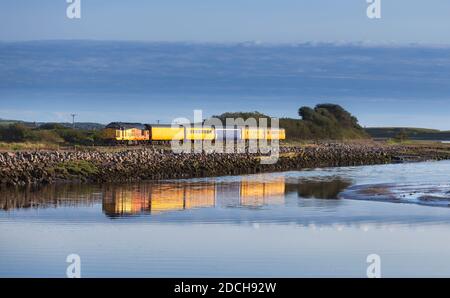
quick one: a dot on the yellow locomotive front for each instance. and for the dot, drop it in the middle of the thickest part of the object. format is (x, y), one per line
(126, 132)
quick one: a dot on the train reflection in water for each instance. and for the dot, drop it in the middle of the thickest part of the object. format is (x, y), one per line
(165, 197)
(250, 192)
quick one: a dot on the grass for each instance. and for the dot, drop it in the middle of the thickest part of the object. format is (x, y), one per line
(417, 143)
(81, 168)
(27, 146)
(399, 142)
(289, 155)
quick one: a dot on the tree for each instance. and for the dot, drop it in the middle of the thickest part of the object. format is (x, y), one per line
(16, 132)
(401, 136)
(306, 113)
(340, 114)
(47, 126)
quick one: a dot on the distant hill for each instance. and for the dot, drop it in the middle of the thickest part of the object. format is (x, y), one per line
(8, 122)
(82, 125)
(78, 125)
(412, 133)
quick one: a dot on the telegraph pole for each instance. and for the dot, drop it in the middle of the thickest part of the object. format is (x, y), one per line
(73, 120)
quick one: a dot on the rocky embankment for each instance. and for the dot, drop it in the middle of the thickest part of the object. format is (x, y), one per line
(46, 167)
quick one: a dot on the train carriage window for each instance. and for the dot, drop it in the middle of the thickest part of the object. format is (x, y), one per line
(201, 131)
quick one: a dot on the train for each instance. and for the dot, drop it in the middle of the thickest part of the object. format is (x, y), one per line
(137, 133)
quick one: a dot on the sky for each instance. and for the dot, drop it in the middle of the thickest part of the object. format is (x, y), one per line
(175, 56)
(403, 21)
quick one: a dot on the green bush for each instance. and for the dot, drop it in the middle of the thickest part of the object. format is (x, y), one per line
(51, 126)
(49, 134)
(244, 115)
(45, 136)
(401, 136)
(16, 132)
(75, 136)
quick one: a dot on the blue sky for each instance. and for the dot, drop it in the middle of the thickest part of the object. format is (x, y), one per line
(232, 20)
(384, 80)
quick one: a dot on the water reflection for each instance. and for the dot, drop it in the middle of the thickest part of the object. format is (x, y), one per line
(153, 198)
(157, 198)
(165, 197)
(253, 192)
(319, 189)
(70, 195)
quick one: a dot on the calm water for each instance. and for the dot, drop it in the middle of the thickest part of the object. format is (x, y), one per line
(283, 224)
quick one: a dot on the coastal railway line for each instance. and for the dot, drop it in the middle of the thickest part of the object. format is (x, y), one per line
(119, 133)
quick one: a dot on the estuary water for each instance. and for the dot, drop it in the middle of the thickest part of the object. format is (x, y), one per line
(312, 223)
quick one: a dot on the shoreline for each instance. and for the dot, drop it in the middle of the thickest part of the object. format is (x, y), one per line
(35, 168)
